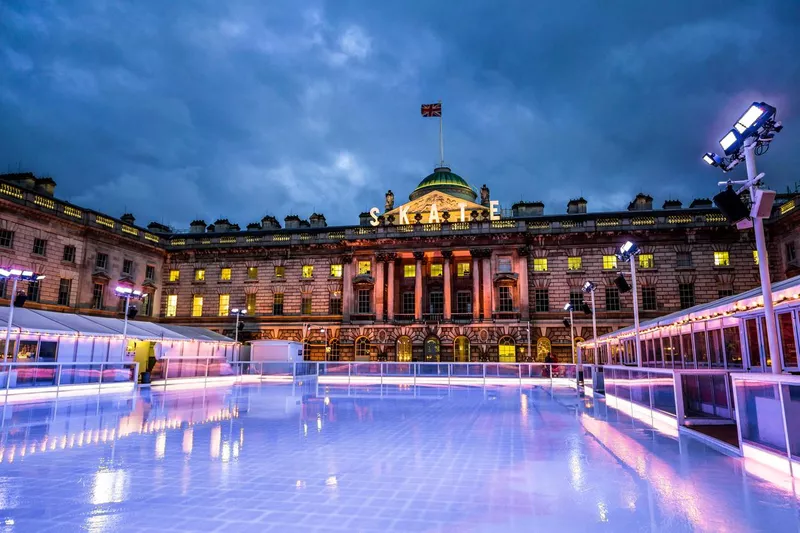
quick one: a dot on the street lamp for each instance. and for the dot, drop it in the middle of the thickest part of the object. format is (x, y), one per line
(325, 331)
(16, 274)
(627, 252)
(127, 293)
(589, 287)
(751, 136)
(238, 313)
(571, 323)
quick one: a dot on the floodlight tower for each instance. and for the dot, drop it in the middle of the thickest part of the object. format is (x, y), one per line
(569, 322)
(589, 287)
(627, 252)
(751, 136)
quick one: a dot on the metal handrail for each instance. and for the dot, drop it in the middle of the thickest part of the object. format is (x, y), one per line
(10, 371)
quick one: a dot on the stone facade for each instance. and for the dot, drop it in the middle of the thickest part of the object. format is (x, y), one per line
(438, 288)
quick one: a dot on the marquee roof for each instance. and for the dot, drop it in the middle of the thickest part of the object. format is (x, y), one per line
(49, 322)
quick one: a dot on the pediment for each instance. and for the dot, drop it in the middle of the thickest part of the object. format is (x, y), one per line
(444, 203)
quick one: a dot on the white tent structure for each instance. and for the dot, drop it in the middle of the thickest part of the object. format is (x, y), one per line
(47, 336)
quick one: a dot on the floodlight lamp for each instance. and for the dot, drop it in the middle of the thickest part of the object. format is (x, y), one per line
(567, 307)
(627, 250)
(40, 277)
(588, 287)
(137, 293)
(5, 272)
(755, 117)
(123, 290)
(15, 272)
(566, 322)
(234, 310)
(27, 273)
(730, 142)
(713, 159)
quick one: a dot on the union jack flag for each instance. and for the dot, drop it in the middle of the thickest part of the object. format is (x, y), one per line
(432, 110)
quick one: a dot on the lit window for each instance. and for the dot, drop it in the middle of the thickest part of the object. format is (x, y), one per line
(172, 305)
(462, 269)
(404, 349)
(224, 304)
(251, 304)
(308, 271)
(174, 275)
(507, 351)
(722, 259)
(646, 261)
(336, 271)
(437, 270)
(574, 263)
(609, 262)
(199, 274)
(539, 264)
(365, 267)
(279, 272)
(755, 257)
(225, 274)
(197, 305)
(252, 272)
(409, 271)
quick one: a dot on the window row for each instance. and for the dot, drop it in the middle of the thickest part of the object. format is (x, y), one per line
(649, 298)
(644, 261)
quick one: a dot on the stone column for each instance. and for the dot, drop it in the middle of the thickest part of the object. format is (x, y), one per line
(391, 258)
(377, 292)
(448, 298)
(419, 256)
(476, 285)
(488, 290)
(347, 287)
(524, 294)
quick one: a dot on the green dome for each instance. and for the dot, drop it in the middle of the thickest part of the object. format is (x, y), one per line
(447, 182)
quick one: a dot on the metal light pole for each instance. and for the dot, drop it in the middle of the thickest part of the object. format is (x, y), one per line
(238, 313)
(590, 288)
(530, 354)
(636, 312)
(572, 335)
(127, 293)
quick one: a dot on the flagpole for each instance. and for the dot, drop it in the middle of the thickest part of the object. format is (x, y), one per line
(441, 136)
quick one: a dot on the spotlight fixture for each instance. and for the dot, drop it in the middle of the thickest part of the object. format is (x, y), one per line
(754, 118)
(566, 322)
(731, 205)
(713, 159)
(731, 142)
(586, 309)
(622, 284)
(627, 250)
(568, 307)
(588, 287)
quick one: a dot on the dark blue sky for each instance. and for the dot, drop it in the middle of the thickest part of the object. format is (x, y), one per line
(204, 109)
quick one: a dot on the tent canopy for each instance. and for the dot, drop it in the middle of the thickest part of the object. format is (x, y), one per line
(34, 321)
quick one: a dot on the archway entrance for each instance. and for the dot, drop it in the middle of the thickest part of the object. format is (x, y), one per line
(461, 349)
(432, 349)
(507, 350)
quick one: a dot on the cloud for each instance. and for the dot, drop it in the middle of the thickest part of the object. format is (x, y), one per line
(179, 111)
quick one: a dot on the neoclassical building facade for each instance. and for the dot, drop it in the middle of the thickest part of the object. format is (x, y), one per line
(446, 276)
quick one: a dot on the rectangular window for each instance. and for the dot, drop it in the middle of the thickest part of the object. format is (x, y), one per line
(649, 302)
(684, 259)
(174, 275)
(437, 270)
(101, 261)
(436, 303)
(308, 271)
(365, 267)
(541, 299)
(336, 270)
(722, 259)
(277, 303)
(199, 274)
(64, 290)
(755, 257)
(279, 272)
(225, 274)
(150, 272)
(127, 267)
(540, 264)
(408, 303)
(724, 293)
(609, 262)
(463, 302)
(6, 238)
(791, 252)
(197, 305)
(504, 264)
(612, 299)
(462, 269)
(33, 291)
(506, 302)
(69, 254)
(646, 261)
(576, 299)
(3, 287)
(364, 301)
(686, 295)
(250, 304)
(335, 304)
(305, 305)
(574, 263)
(172, 305)
(39, 246)
(409, 271)
(224, 304)
(147, 304)
(97, 296)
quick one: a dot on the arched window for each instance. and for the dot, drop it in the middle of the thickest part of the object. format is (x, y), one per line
(404, 349)
(507, 350)
(461, 349)
(333, 350)
(432, 350)
(543, 348)
(362, 349)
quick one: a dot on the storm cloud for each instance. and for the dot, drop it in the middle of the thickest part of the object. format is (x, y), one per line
(237, 109)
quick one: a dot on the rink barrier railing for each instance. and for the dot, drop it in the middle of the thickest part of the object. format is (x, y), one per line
(21, 381)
